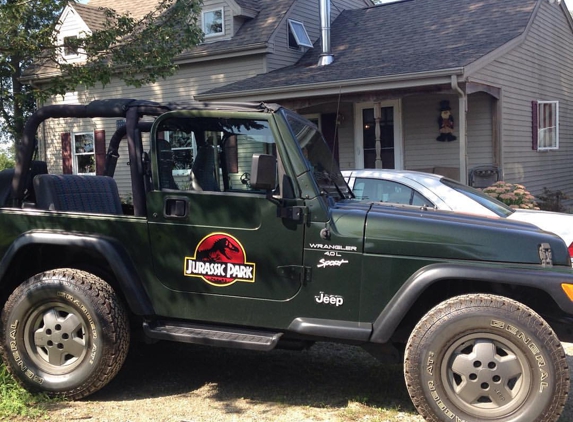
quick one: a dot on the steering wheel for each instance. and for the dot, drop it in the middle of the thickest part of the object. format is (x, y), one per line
(246, 179)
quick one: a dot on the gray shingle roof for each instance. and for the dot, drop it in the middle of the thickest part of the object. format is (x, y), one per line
(136, 8)
(249, 4)
(94, 17)
(254, 31)
(402, 38)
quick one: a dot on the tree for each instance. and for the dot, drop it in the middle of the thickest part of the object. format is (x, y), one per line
(138, 51)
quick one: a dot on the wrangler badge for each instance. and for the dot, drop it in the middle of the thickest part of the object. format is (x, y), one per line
(220, 260)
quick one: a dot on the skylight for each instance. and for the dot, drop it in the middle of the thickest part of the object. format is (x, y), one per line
(298, 31)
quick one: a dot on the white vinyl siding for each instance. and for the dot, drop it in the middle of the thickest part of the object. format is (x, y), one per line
(538, 69)
(420, 128)
(480, 130)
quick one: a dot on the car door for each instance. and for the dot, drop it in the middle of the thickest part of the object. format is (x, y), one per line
(216, 240)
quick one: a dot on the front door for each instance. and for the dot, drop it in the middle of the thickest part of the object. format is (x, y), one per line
(378, 135)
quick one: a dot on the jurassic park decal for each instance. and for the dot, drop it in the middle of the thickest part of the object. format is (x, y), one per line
(220, 260)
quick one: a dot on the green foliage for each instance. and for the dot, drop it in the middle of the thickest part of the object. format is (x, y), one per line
(15, 401)
(514, 195)
(138, 51)
(6, 162)
(551, 200)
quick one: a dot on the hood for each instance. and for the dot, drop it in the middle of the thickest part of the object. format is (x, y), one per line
(427, 233)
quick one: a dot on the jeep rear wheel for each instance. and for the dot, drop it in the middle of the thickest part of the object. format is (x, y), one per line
(64, 333)
(484, 357)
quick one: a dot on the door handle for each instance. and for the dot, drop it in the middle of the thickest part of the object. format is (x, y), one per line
(176, 207)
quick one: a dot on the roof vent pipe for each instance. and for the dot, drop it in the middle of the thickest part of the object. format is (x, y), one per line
(326, 56)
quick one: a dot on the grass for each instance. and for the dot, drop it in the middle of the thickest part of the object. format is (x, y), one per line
(15, 401)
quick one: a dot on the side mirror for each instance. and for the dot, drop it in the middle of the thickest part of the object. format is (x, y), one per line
(263, 172)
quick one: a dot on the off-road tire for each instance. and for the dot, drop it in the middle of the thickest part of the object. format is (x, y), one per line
(65, 333)
(481, 357)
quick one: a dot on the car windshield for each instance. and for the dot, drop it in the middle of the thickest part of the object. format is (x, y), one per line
(319, 157)
(492, 204)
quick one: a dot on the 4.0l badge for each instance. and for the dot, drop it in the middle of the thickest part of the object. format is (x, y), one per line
(220, 260)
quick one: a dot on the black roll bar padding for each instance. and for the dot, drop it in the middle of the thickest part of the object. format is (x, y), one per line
(112, 154)
(135, 148)
(99, 108)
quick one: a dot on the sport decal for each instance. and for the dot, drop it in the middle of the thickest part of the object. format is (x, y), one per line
(220, 260)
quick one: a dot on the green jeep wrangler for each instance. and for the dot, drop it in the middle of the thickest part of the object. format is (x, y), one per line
(242, 233)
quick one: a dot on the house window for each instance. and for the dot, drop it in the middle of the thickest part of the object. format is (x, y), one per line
(297, 35)
(84, 153)
(546, 125)
(213, 22)
(70, 46)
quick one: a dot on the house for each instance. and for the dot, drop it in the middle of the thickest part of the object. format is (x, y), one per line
(243, 38)
(438, 85)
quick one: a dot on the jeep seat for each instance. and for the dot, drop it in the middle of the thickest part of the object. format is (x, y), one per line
(71, 192)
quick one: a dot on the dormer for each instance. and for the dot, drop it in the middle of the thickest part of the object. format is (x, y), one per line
(220, 20)
(71, 26)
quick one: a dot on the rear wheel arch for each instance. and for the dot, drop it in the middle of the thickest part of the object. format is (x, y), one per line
(35, 252)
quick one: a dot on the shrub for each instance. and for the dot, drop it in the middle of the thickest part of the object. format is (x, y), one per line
(551, 200)
(511, 194)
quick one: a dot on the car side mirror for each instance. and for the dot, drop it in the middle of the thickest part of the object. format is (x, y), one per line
(263, 172)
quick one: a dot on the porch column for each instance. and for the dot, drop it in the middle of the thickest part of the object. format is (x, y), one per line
(377, 116)
(462, 112)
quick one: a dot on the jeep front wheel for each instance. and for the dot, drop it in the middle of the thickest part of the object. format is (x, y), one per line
(483, 357)
(65, 333)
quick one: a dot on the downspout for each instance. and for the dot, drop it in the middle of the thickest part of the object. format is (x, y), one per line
(326, 57)
(462, 111)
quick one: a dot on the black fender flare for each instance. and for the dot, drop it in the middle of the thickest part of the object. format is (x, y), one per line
(118, 259)
(401, 303)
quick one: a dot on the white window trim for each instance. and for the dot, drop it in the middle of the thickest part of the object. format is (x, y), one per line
(398, 138)
(539, 128)
(301, 43)
(204, 12)
(69, 56)
(75, 155)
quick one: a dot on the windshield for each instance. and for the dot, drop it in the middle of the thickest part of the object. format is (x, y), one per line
(492, 204)
(319, 157)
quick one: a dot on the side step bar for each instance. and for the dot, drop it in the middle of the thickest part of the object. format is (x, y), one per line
(212, 336)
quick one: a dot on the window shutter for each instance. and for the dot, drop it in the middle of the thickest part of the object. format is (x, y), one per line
(534, 125)
(99, 149)
(67, 166)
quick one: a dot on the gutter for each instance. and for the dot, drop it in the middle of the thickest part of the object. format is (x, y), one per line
(183, 58)
(339, 87)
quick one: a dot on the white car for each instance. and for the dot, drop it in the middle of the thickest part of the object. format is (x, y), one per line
(433, 190)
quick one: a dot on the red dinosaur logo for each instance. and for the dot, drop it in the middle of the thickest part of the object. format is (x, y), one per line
(220, 260)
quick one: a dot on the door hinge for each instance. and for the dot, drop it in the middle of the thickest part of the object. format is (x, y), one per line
(298, 214)
(297, 273)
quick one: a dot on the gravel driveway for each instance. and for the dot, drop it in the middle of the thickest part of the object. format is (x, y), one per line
(170, 382)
